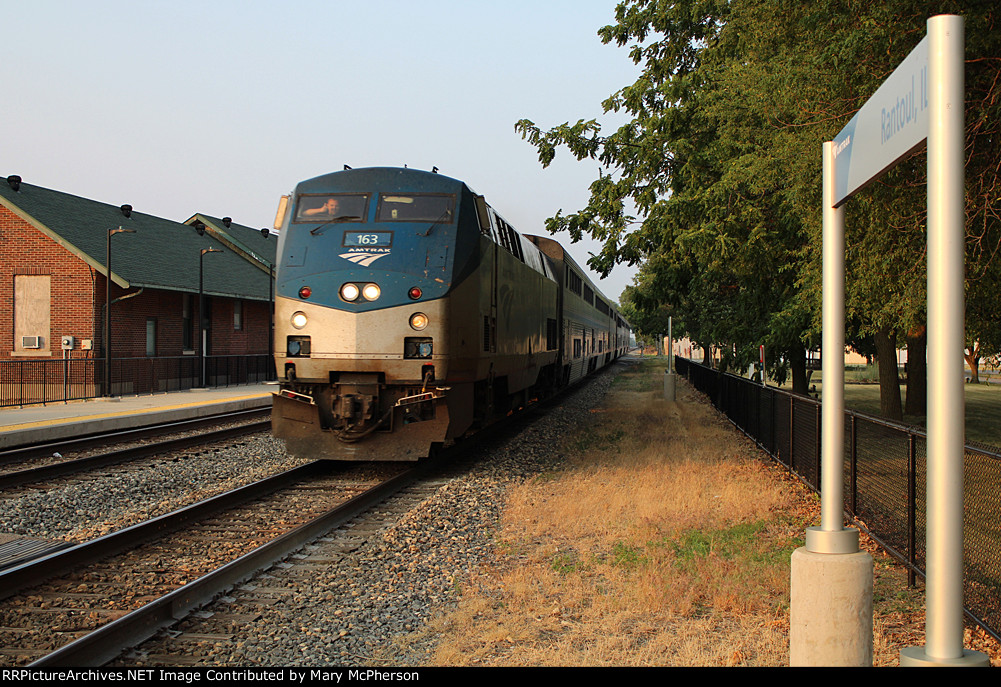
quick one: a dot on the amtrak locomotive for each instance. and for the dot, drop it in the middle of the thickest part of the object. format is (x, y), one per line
(408, 313)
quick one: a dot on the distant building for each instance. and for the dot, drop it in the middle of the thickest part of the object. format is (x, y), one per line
(53, 276)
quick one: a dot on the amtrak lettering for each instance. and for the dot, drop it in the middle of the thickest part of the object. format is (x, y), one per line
(364, 256)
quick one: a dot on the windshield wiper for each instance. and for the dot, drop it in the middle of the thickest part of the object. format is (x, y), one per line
(335, 220)
(444, 216)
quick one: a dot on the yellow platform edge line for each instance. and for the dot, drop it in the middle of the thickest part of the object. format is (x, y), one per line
(82, 418)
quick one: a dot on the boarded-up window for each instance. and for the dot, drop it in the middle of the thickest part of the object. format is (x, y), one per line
(32, 298)
(187, 322)
(151, 337)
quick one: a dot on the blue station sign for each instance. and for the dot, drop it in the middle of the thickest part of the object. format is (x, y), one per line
(891, 125)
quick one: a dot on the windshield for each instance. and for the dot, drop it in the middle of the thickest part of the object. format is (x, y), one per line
(327, 207)
(415, 207)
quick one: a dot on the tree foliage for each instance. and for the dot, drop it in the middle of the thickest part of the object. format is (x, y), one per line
(713, 186)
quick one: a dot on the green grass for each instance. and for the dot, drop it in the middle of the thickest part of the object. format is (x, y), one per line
(983, 407)
(724, 543)
(638, 377)
(598, 441)
(627, 556)
(566, 563)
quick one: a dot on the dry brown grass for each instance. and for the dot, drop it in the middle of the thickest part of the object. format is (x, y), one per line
(656, 546)
(665, 541)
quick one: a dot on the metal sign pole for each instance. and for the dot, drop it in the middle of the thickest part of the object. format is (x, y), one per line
(946, 419)
(946, 335)
(832, 538)
(830, 619)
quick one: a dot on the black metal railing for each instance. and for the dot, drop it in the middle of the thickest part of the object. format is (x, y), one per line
(884, 480)
(27, 382)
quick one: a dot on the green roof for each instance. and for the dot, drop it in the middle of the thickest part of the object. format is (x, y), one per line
(243, 239)
(161, 254)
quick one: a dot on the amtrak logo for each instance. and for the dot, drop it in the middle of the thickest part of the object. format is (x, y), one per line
(365, 257)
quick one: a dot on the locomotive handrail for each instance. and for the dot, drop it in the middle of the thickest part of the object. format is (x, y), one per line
(420, 398)
(296, 396)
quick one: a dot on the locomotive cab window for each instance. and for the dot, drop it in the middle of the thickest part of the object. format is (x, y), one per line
(327, 207)
(415, 207)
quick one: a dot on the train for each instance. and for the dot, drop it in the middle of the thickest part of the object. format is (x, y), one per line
(409, 314)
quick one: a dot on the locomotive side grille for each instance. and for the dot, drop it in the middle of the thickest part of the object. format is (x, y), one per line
(486, 333)
(552, 336)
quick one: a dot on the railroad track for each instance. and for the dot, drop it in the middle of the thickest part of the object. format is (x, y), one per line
(201, 637)
(29, 471)
(102, 596)
(68, 446)
(87, 618)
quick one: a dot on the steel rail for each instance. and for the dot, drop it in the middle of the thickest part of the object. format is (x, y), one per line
(69, 467)
(109, 641)
(34, 572)
(29, 451)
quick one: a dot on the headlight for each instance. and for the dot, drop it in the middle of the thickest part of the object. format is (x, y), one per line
(371, 292)
(299, 319)
(349, 292)
(418, 321)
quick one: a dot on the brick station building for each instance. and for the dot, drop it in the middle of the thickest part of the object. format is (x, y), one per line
(53, 277)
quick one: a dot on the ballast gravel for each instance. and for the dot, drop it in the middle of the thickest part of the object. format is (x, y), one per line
(345, 607)
(88, 507)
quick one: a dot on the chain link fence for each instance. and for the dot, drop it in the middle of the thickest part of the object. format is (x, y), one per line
(885, 477)
(27, 382)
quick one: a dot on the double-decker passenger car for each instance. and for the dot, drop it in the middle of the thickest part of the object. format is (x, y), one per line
(409, 313)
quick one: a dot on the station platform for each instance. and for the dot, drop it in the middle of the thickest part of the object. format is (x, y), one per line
(57, 421)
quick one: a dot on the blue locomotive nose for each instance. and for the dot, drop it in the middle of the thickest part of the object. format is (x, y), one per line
(370, 246)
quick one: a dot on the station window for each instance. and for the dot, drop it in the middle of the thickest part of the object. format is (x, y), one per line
(188, 322)
(151, 337)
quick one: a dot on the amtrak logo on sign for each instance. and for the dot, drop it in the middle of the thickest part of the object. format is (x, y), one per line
(364, 257)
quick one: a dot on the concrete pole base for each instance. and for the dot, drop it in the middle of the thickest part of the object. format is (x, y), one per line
(670, 386)
(915, 657)
(830, 621)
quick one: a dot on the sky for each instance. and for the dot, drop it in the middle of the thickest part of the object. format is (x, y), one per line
(222, 106)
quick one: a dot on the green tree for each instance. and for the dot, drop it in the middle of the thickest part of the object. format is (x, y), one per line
(714, 183)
